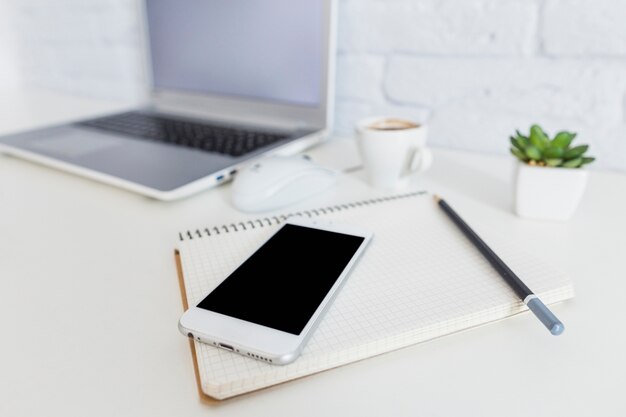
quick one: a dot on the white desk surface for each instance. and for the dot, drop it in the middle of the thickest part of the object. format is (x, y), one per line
(89, 300)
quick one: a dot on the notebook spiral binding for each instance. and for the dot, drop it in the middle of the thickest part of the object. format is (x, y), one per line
(275, 220)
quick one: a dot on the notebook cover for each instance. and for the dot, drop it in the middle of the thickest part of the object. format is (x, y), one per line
(183, 295)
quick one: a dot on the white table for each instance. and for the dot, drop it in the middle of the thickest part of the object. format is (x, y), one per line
(89, 300)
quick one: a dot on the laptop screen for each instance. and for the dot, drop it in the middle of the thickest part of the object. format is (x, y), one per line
(269, 50)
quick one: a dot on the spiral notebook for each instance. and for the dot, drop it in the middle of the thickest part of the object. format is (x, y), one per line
(420, 278)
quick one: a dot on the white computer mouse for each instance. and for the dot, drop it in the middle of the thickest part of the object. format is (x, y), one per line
(279, 181)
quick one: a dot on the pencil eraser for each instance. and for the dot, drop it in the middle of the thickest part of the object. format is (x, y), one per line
(544, 314)
(557, 329)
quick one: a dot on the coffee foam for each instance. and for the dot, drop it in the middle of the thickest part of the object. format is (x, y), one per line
(393, 124)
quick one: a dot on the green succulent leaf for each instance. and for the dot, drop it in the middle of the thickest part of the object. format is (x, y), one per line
(523, 140)
(554, 162)
(533, 153)
(538, 137)
(519, 154)
(575, 152)
(563, 139)
(519, 135)
(552, 152)
(538, 147)
(516, 142)
(573, 163)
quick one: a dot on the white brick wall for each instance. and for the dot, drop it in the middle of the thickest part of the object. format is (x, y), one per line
(478, 69)
(475, 69)
(90, 47)
(438, 27)
(584, 28)
(9, 72)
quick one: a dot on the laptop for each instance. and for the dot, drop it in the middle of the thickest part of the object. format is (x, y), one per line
(230, 81)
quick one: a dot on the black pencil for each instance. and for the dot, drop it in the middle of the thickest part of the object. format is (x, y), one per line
(523, 292)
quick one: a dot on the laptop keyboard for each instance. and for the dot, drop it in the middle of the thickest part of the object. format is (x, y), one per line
(225, 140)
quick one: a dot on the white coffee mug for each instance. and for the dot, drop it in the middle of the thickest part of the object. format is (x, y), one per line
(393, 150)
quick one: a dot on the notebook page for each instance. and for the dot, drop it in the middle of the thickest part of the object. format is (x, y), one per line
(419, 278)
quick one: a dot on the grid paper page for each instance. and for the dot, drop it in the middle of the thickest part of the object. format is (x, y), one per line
(420, 278)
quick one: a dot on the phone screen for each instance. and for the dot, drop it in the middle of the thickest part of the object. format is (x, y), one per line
(282, 284)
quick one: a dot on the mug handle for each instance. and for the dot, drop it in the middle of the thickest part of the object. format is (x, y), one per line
(420, 160)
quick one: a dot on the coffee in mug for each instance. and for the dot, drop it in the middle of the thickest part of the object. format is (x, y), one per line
(393, 150)
(393, 124)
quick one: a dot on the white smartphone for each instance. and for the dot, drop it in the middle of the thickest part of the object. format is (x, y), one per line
(270, 305)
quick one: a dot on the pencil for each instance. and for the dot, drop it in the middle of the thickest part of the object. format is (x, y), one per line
(533, 302)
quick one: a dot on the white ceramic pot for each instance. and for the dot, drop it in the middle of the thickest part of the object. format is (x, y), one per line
(548, 193)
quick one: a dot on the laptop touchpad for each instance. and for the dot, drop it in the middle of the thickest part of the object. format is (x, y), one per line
(73, 143)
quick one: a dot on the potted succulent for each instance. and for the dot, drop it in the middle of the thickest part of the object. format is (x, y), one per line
(549, 180)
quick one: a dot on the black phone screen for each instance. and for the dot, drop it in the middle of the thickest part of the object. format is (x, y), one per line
(285, 280)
